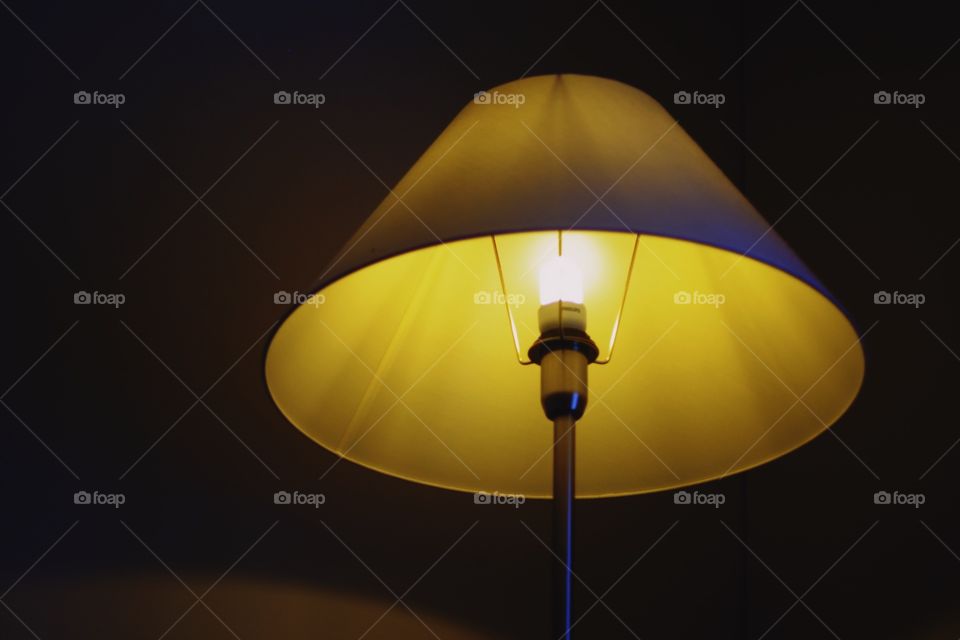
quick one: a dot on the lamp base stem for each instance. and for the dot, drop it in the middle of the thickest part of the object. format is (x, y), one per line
(562, 540)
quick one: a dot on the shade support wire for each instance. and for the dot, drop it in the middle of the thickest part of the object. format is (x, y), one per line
(506, 304)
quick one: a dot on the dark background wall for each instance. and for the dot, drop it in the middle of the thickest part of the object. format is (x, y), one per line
(163, 399)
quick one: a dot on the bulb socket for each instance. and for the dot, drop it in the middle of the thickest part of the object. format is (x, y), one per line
(563, 356)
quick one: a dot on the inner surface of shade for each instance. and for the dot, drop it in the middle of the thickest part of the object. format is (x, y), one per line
(410, 365)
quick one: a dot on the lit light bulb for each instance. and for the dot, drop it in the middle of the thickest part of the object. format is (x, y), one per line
(561, 296)
(560, 279)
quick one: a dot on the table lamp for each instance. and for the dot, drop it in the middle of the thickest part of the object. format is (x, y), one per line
(569, 223)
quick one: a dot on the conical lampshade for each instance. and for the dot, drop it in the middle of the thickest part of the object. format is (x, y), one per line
(719, 349)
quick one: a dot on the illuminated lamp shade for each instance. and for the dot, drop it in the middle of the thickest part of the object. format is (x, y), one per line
(564, 202)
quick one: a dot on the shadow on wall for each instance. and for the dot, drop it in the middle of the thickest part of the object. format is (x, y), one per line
(151, 605)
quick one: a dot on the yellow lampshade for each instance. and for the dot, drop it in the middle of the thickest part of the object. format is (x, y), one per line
(719, 349)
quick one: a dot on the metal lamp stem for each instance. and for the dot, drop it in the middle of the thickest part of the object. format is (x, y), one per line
(562, 539)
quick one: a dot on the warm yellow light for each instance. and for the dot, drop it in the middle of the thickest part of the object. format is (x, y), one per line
(561, 280)
(409, 367)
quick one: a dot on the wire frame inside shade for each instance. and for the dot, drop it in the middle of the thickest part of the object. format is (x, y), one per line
(722, 363)
(518, 259)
